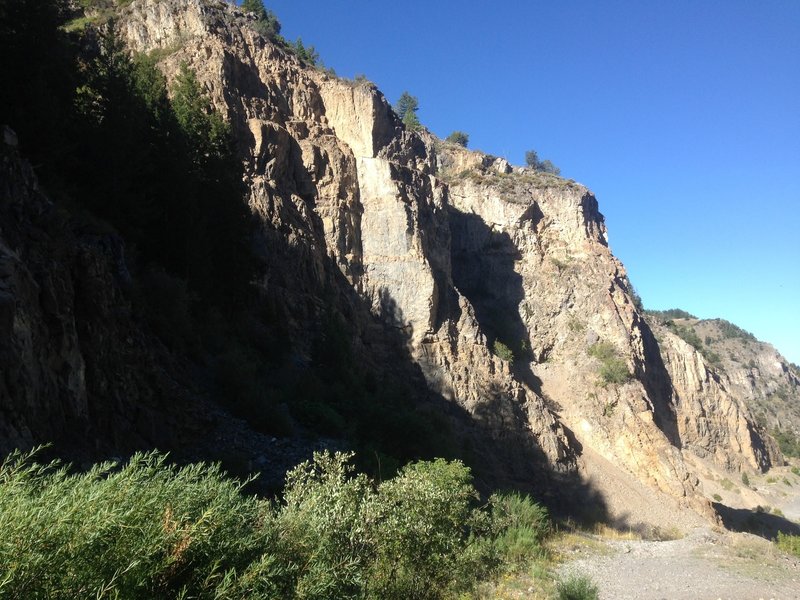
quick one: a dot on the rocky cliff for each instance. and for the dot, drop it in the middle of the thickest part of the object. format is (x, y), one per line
(495, 282)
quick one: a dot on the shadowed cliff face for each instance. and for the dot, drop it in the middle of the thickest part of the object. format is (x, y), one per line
(433, 253)
(76, 369)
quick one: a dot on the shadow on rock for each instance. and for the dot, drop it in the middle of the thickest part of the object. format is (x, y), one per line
(758, 522)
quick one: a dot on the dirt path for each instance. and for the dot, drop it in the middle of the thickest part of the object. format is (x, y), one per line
(704, 565)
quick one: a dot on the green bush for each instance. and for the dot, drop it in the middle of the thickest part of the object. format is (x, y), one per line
(152, 530)
(789, 543)
(144, 530)
(613, 370)
(717, 498)
(745, 479)
(458, 137)
(577, 587)
(788, 442)
(520, 526)
(502, 351)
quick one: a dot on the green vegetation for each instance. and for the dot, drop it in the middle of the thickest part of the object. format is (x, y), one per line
(745, 479)
(459, 137)
(577, 587)
(717, 498)
(523, 526)
(671, 313)
(406, 108)
(502, 351)
(729, 330)
(307, 54)
(796, 471)
(613, 369)
(545, 166)
(788, 543)
(788, 441)
(267, 23)
(148, 529)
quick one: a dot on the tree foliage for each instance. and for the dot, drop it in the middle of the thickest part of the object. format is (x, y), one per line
(545, 166)
(267, 23)
(306, 53)
(406, 108)
(459, 137)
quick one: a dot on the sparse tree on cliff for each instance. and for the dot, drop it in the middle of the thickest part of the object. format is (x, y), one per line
(544, 166)
(267, 24)
(406, 108)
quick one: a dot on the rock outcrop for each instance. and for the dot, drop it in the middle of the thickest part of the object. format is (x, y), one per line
(463, 257)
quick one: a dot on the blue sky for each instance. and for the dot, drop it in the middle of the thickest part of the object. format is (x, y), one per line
(682, 117)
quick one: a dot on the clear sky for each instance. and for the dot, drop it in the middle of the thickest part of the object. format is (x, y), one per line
(682, 116)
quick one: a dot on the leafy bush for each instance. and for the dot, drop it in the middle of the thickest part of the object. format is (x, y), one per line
(577, 587)
(745, 479)
(521, 525)
(788, 442)
(613, 370)
(502, 351)
(151, 530)
(458, 137)
(717, 498)
(144, 530)
(788, 543)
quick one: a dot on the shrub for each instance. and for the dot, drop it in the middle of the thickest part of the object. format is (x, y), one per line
(152, 530)
(613, 369)
(789, 543)
(745, 479)
(458, 137)
(577, 587)
(502, 351)
(520, 525)
(426, 529)
(788, 442)
(143, 530)
(717, 498)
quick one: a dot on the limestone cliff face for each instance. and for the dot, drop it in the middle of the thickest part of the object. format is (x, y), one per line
(457, 253)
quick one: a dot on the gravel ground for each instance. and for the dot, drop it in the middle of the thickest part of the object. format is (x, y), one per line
(706, 564)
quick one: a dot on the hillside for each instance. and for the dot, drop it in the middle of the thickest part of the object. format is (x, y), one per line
(752, 370)
(407, 297)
